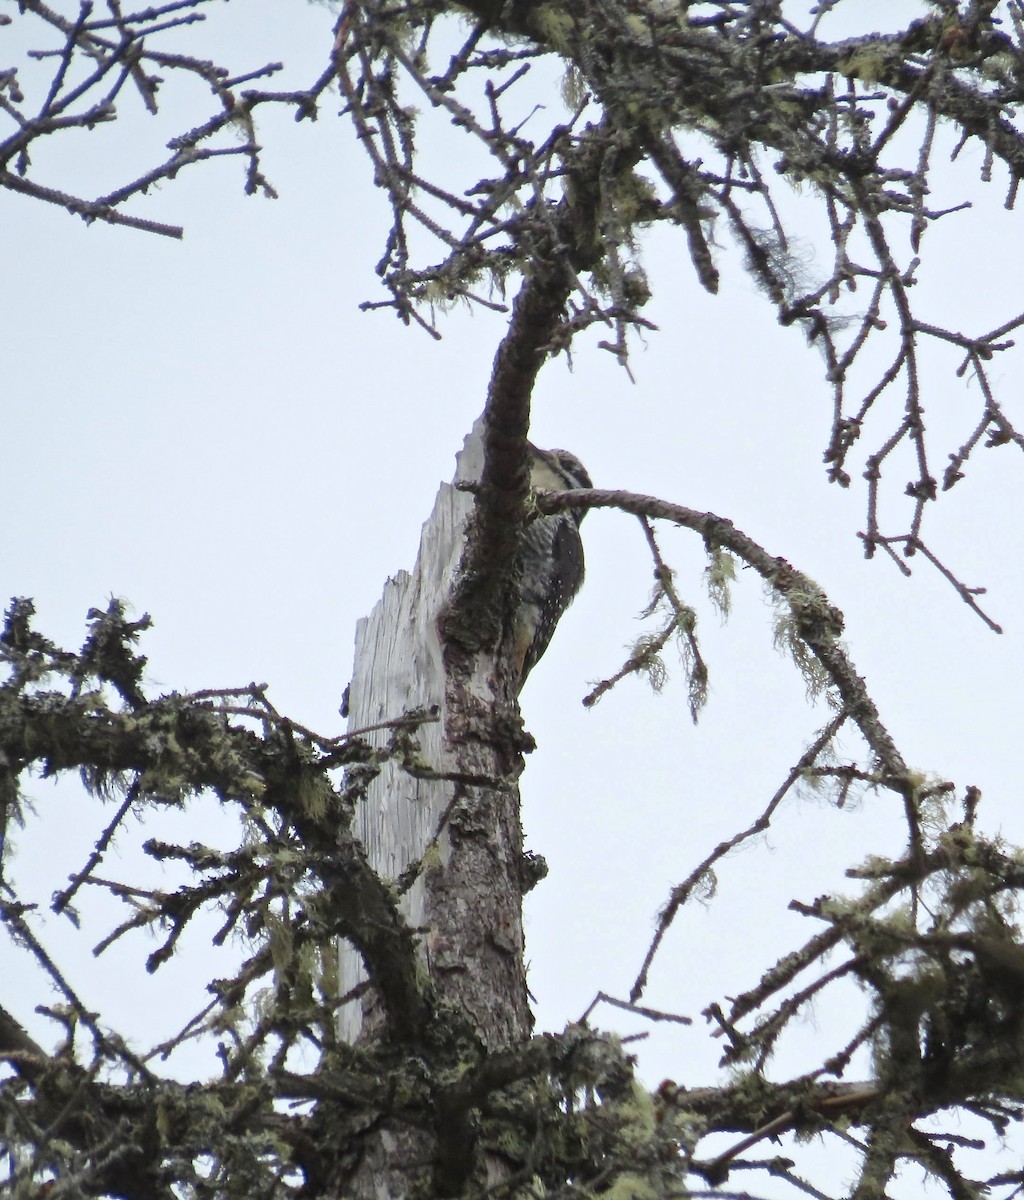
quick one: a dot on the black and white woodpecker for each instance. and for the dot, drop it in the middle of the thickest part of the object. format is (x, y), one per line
(550, 557)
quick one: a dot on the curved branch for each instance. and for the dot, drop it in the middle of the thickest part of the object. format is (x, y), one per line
(818, 623)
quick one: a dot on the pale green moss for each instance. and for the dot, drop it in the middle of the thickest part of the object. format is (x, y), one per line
(868, 63)
(719, 575)
(555, 26)
(630, 1187)
(574, 88)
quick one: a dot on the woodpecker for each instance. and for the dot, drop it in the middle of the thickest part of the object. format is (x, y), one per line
(550, 559)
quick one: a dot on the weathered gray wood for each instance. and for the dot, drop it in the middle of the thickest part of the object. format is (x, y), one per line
(398, 667)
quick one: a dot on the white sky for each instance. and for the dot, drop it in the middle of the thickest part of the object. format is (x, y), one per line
(213, 431)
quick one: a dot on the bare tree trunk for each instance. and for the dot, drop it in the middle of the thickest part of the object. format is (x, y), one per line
(445, 826)
(454, 812)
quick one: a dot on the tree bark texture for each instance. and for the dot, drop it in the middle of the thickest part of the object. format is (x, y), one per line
(454, 810)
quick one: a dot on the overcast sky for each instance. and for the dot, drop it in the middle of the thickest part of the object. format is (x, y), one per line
(213, 431)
